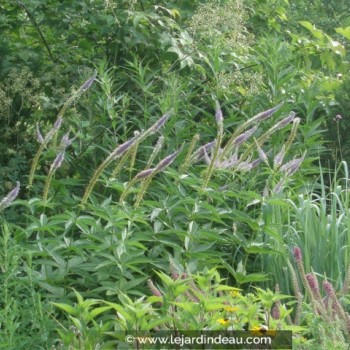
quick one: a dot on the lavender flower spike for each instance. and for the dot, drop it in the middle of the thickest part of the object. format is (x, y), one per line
(6, 201)
(262, 154)
(66, 141)
(120, 150)
(199, 154)
(277, 161)
(88, 82)
(155, 127)
(167, 160)
(297, 254)
(38, 134)
(266, 114)
(58, 161)
(143, 174)
(243, 137)
(291, 167)
(54, 129)
(285, 121)
(218, 113)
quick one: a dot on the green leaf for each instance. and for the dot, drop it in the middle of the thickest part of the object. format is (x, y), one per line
(344, 32)
(67, 308)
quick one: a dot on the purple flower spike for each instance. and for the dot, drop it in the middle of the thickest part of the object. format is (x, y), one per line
(275, 312)
(297, 254)
(282, 123)
(218, 114)
(58, 161)
(120, 150)
(66, 141)
(243, 137)
(313, 283)
(291, 167)
(143, 174)
(200, 153)
(10, 197)
(329, 289)
(266, 114)
(156, 126)
(155, 291)
(277, 161)
(88, 82)
(57, 124)
(167, 161)
(38, 134)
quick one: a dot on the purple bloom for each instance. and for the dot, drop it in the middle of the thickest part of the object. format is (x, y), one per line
(292, 166)
(120, 150)
(200, 153)
(38, 134)
(11, 196)
(285, 121)
(266, 114)
(277, 161)
(54, 129)
(275, 312)
(66, 141)
(313, 283)
(297, 254)
(58, 161)
(244, 166)
(88, 82)
(58, 123)
(278, 188)
(167, 161)
(156, 126)
(243, 137)
(143, 174)
(255, 163)
(218, 114)
(327, 286)
(206, 157)
(262, 154)
(155, 291)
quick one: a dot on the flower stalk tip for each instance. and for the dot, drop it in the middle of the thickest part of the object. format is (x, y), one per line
(11, 196)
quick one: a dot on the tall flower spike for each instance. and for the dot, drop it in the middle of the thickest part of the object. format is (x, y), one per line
(277, 161)
(88, 82)
(244, 137)
(38, 134)
(58, 161)
(66, 141)
(119, 151)
(262, 154)
(218, 113)
(160, 123)
(53, 131)
(159, 167)
(11, 196)
(285, 121)
(155, 291)
(292, 166)
(199, 154)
